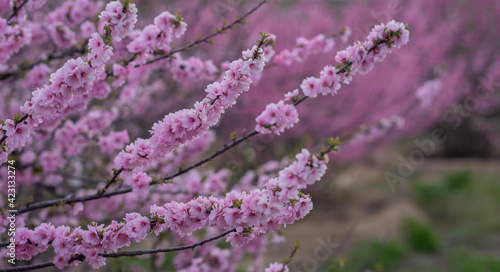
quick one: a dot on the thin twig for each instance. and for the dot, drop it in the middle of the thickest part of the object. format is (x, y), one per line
(111, 181)
(28, 267)
(52, 56)
(16, 10)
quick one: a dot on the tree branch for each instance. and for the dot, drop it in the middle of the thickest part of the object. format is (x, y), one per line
(125, 253)
(28, 267)
(52, 56)
(160, 250)
(111, 181)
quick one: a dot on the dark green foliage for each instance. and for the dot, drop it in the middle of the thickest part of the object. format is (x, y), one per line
(420, 236)
(458, 181)
(461, 261)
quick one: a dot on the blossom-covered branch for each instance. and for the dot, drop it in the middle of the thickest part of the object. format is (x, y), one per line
(278, 117)
(207, 39)
(259, 211)
(17, 7)
(80, 258)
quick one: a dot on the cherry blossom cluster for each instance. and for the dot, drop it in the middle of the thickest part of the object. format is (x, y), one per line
(99, 53)
(268, 53)
(30, 5)
(276, 118)
(69, 83)
(209, 257)
(139, 183)
(17, 136)
(74, 136)
(376, 131)
(12, 39)
(182, 188)
(277, 267)
(114, 140)
(363, 55)
(71, 87)
(201, 183)
(37, 77)
(184, 125)
(119, 19)
(73, 13)
(214, 259)
(358, 58)
(192, 68)
(304, 49)
(428, 91)
(328, 83)
(193, 183)
(15, 35)
(70, 14)
(157, 36)
(258, 211)
(184, 153)
(69, 140)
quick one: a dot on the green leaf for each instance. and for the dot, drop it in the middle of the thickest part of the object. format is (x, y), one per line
(17, 117)
(233, 135)
(126, 3)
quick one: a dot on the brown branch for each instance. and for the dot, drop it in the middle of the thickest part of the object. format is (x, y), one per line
(125, 253)
(28, 267)
(160, 250)
(110, 181)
